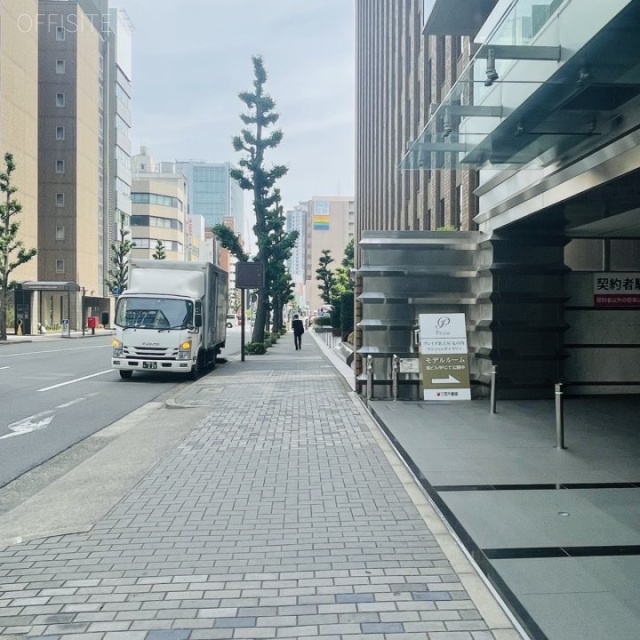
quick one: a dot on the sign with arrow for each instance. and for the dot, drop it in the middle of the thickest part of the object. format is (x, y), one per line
(444, 359)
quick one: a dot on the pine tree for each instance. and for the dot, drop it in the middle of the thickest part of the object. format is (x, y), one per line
(120, 252)
(159, 253)
(253, 175)
(12, 250)
(325, 276)
(281, 244)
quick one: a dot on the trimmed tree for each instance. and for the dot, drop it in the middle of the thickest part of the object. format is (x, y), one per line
(12, 250)
(254, 176)
(120, 252)
(280, 249)
(159, 253)
(325, 276)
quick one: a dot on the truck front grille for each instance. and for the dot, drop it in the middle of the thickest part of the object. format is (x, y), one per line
(151, 353)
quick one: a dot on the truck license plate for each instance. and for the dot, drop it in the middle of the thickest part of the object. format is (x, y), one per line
(149, 365)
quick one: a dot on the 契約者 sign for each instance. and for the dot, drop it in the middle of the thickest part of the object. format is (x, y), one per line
(616, 290)
(444, 356)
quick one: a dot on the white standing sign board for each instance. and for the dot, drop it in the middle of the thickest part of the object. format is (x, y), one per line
(444, 359)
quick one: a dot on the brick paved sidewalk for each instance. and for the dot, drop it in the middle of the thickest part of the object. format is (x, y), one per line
(281, 515)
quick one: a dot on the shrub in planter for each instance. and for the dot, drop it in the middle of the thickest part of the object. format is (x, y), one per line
(346, 314)
(255, 348)
(335, 313)
(322, 321)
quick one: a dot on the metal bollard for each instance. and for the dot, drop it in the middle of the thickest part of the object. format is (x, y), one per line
(494, 373)
(559, 417)
(395, 369)
(369, 377)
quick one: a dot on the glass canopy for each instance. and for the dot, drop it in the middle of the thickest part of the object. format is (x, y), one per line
(524, 99)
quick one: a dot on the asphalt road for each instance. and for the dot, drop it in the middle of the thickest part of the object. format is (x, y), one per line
(55, 393)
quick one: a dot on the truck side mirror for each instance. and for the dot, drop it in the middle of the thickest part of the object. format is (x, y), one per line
(198, 315)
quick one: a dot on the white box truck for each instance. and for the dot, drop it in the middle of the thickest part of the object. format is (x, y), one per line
(171, 318)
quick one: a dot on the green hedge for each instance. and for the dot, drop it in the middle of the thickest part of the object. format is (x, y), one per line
(255, 348)
(346, 313)
(322, 321)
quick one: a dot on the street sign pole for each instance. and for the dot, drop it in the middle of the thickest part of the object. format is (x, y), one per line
(242, 321)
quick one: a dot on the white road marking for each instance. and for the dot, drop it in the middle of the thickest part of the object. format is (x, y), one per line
(64, 384)
(27, 425)
(3, 368)
(30, 353)
(70, 404)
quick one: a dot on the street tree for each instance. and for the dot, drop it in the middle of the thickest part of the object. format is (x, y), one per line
(231, 241)
(12, 250)
(120, 254)
(325, 276)
(349, 253)
(255, 139)
(159, 253)
(280, 249)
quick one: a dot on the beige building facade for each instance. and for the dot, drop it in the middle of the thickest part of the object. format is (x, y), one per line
(69, 161)
(331, 225)
(159, 205)
(19, 115)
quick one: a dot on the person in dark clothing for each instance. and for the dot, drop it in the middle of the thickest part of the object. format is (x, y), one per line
(298, 330)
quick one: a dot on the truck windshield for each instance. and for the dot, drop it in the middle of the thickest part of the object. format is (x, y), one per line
(154, 313)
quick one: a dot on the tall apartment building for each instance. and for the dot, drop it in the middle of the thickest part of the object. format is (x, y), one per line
(297, 219)
(19, 121)
(116, 170)
(84, 153)
(331, 225)
(213, 194)
(70, 158)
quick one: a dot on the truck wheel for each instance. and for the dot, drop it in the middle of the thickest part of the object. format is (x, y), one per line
(195, 372)
(125, 375)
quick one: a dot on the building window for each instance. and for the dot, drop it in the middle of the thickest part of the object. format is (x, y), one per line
(59, 166)
(60, 233)
(59, 99)
(61, 34)
(59, 199)
(59, 266)
(60, 67)
(440, 215)
(59, 133)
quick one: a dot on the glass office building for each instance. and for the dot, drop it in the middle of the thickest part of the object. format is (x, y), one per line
(212, 193)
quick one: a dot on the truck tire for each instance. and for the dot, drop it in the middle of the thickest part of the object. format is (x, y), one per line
(197, 367)
(125, 375)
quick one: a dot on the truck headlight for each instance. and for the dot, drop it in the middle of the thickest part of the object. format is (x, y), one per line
(184, 352)
(117, 348)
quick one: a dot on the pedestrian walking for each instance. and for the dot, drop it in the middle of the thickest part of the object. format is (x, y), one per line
(298, 330)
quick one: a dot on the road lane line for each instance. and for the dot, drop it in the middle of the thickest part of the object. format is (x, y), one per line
(70, 404)
(64, 384)
(3, 368)
(31, 353)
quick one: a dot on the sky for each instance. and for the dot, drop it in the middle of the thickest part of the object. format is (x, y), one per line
(191, 58)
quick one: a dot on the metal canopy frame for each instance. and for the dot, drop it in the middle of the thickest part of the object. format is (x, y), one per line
(523, 101)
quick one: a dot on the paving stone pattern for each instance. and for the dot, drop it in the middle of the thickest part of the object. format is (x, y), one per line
(277, 517)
